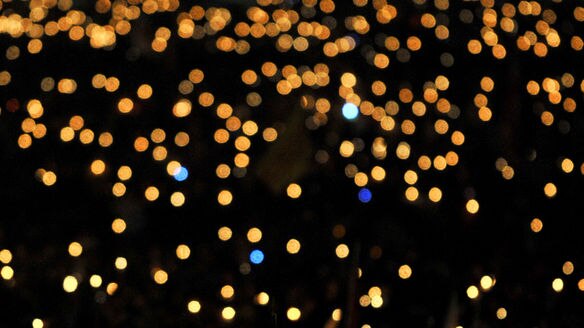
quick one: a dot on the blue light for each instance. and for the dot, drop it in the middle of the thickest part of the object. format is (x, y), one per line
(256, 256)
(365, 195)
(181, 174)
(350, 111)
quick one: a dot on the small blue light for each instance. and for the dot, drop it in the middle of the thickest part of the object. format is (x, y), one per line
(256, 256)
(181, 174)
(365, 195)
(350, 111)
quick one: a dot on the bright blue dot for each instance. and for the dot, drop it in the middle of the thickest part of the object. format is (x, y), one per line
(365, 195)
(181, 174)
(256, 256)
(350, 111)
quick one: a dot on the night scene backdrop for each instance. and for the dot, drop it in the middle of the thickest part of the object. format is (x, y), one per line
(291, 163)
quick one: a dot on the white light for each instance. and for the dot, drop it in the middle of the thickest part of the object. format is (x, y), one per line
(350, 111)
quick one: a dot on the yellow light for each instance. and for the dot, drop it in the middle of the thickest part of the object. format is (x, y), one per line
(37, 323)
(376, 301)
(95, 281)
(581, 285)
(5, 256)
(7, 273)
(567, 165)
(183, 252)
(182, 139)
(337, 315)
(67, 134)
(118, 189)
(568, 268)
(124, 173)
(270, 134)
(182, 108)
(405, 271)
(501, 313)
(223, 171)
(550, 189)
(536, 225)
(125, 105)
(75, 249)
(346, 148)
(558, 285)
(228, 313)
(472, 206)
(293, 246)
(144, 91)
(177, 199)
(224, 233)
(365, 300)
(97, 167)
(160, 276)
(49, 178)
(342, 251)
(412, 193)
(224, 197)
(262, 298)
(227, 292)
(294, 190)
(105, 139)
(254, 235)
(487, 282)
(111, 288)
(293, 314)
(472, 292)
(151, 193)
(121, 263)
(70, 284)
(378, 173)
(435, 194)
(194, 306)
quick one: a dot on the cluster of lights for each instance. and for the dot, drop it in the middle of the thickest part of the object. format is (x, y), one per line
(405, 121)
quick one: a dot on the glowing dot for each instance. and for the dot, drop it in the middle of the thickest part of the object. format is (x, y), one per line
(194, 306)
(550, 190)
(293, 246)
(294, 190)
(568, 268)
(5, 256)
(228, 313)
(487, 282)
(254, 235)
(111, 288)
(121, 263)
(75, 249)
(177, 199)
(37, 323)
(350, 111)
(558, 285)
(365, 195)
(183, 252)
(256, 256)
(224, 233)
(262, 298)
(224, 197)
(342, 251)
(472, 292)
(118, 225)
(405, 271)
(160, 276)
(293, 314)
(227, 292)
(536, 225)
(7, 273)
(181, 174)
(70, 284)
(472, 206)
(501, 313)
(95, 281)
